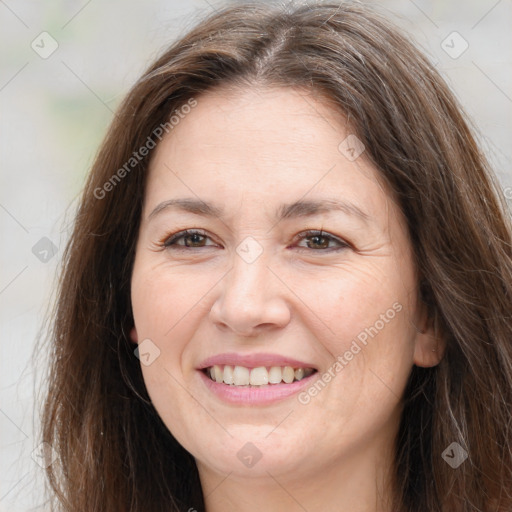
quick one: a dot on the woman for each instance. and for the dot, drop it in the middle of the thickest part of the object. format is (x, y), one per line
(289, 284)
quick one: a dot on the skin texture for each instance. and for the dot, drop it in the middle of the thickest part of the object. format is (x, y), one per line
(249, 151)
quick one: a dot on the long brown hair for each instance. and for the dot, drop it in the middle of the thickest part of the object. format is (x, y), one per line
(114, 452)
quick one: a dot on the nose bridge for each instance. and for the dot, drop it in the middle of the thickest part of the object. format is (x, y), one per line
(249, 281)
(250, 295)
(250, 262)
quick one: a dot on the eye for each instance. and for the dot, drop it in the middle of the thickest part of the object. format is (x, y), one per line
(314, 239)
(188, 238)
(319, 240)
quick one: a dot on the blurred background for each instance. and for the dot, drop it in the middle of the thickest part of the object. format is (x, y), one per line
(64, 68)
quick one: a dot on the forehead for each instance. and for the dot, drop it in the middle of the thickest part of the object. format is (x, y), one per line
(261, 147)
(256, 125)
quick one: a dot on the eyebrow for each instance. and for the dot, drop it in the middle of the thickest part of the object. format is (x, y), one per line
(300, 208)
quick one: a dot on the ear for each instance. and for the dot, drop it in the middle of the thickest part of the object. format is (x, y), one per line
(133, 335)
(429, 344)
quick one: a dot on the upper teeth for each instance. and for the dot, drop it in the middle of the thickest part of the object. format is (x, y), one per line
(260, 376)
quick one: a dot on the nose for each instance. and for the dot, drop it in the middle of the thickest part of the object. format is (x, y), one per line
(251, 299)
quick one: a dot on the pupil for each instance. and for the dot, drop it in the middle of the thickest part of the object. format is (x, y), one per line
(195, 239)
(317, 240)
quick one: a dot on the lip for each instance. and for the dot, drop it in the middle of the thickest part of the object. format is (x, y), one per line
(253, 361)
(252, 395)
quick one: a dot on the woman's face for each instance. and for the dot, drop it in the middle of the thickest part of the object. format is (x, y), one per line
(257, 293)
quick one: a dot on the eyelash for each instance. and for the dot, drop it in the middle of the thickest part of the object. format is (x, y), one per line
(170, 242)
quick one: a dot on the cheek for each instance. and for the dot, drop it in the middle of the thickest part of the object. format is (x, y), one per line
(366, 312)
(164, 308)
(166, 305)
(354, 298)
(166, 300)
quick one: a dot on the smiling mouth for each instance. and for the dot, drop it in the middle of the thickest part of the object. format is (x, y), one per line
(259, 377)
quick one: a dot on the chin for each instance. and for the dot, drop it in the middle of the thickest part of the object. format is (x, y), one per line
(255, 456)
